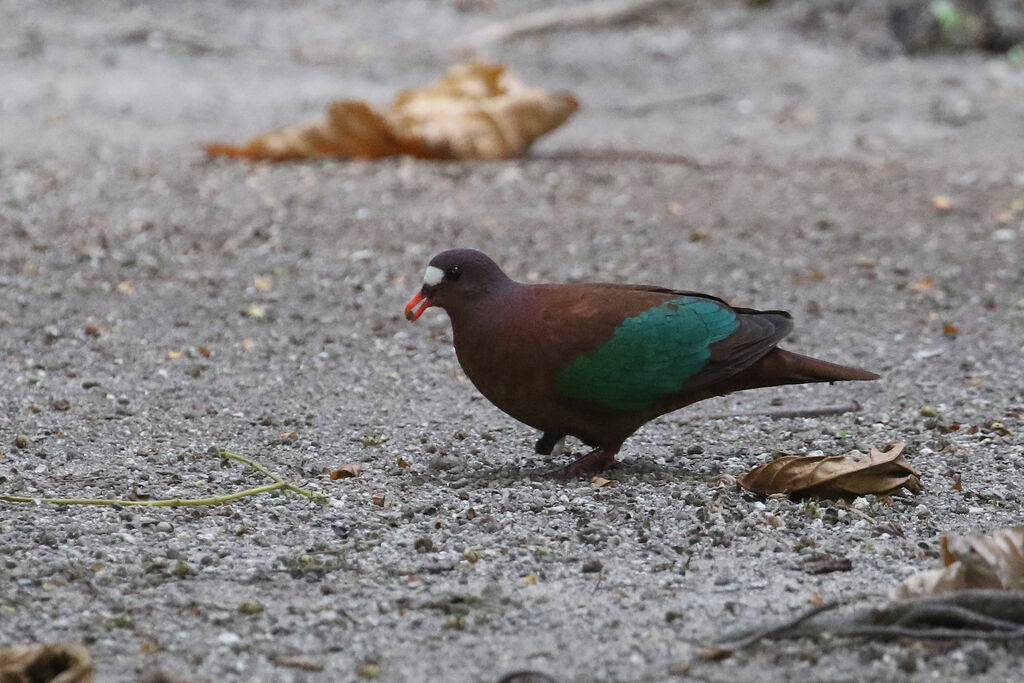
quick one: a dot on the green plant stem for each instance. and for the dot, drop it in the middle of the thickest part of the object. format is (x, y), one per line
(279, 483)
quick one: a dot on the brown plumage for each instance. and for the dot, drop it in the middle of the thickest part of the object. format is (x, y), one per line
(597, 361)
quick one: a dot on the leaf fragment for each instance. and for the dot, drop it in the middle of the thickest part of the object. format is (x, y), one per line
(842, 476)
(63, 662)
(994, 560)
(347, 471)
(476, 111)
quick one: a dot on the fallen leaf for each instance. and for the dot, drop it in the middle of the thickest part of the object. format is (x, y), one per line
(175, 355)
(378, 499)
(601, 482)
(57, 662)
(994, 560)
(841, 476)
(402, 463)
(204, 351)
(476, 111)
(531, 579)
(950, 330)
(347, 471)
(958, 485)
(942, 203)
(91, 331)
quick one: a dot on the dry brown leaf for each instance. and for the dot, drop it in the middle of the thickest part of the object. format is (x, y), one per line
(602, 482)
(402, 463)
(58, 662)
(477, 111)
(841, 476)
(994, 560)
(347, 471)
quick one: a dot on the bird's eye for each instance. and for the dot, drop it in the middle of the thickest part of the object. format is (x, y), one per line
(453, 273)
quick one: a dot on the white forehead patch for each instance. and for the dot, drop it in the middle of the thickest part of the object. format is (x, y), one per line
(433, 276)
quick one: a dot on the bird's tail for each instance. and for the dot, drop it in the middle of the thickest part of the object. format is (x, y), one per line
(800, 369)
(779, 366)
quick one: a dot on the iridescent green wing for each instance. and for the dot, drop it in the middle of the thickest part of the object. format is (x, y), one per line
(650, 355)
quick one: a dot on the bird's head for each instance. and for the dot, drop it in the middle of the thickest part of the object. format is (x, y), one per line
(454, 278)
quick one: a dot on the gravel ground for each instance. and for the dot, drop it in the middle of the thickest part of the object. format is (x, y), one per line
(156, 306)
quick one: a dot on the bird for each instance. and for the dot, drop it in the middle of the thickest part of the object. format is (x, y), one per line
(597, 361)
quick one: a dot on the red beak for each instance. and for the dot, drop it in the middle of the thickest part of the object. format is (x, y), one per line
(419, 303)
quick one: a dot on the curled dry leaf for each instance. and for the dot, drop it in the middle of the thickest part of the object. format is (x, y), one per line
(347, 471)
(477, 111)
(841, 476)
(994, 560)
(601, 482)
(58, 662)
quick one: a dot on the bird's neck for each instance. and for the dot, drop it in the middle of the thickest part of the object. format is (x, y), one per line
(478, 319)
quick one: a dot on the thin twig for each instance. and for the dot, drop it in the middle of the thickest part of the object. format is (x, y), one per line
(987, 614)
(934, 614)
(279, 483)
(788, 412)
(611, 154)
(761, 634)
(646, 106)
(928, 633)
(586, 15)
(167, 502)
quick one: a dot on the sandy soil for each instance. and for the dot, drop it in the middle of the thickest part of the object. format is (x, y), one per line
(820, 149)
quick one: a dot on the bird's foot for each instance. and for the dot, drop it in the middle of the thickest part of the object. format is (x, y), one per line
(550, 444)
(597, 460)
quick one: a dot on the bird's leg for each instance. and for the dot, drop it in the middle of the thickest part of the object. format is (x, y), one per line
(550, 443)
(597, 460)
